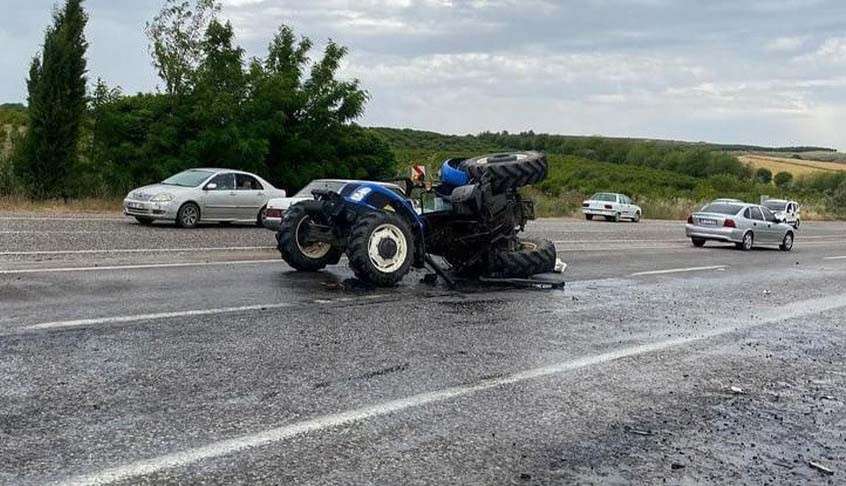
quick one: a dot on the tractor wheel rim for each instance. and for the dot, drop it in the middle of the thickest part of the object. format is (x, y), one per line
(390, 232)
(314, 250)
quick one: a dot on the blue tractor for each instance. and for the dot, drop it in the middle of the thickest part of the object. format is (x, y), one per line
(470, 219)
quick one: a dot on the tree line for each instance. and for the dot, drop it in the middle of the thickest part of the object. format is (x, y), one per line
(285, 116)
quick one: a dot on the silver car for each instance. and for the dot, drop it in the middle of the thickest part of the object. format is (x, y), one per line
(199, 195)
(745, 225)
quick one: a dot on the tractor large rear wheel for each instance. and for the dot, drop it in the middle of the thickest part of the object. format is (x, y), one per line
(508, 171)
(531, 257)
(296, 250)
(380, 248)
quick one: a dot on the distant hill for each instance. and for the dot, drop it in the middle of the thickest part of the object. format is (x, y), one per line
(421, 139)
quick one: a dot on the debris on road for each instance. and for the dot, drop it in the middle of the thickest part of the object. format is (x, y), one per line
(736, 390)
(676, 466)
(819, 467)
(638, 431)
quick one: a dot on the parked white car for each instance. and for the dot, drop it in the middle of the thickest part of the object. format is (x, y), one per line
(611, 206)
(276, 207)
(201, 195)
(787, 211)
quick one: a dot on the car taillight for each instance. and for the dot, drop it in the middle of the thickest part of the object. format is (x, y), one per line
(273, 213)
(729, 223)
(608, 206)
(690, 219)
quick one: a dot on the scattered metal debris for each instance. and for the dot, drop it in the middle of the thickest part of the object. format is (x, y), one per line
(819, 467)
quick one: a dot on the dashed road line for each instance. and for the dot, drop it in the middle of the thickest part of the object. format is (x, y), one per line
(185, 313)
(229, 446)
(134, 250)
(104, 268)
(680, 270)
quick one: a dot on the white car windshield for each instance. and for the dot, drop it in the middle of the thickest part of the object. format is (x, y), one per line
(334, 186)
(602, 196)
(775, 205)
(189, 178)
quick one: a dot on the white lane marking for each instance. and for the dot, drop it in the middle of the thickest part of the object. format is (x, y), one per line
(56, 218)
(135, 267)
(236, 444)
(185, 313)
(618, 248)
(594, 242)
(679, 270)
(835, 258)
(55, 232)
(134, 250)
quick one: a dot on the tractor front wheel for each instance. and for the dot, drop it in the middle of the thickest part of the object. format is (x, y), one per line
(380, 248)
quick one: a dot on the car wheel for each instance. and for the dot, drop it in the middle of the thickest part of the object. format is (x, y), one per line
(796, 224)
(260, 218)
(747, 243)
(188, 215)
(698, 242)
(293, 247)
(787, 242)
(531, 257)
(636, 218)
(144, 221)
(616, 218)
(589, 217)
(380, 248)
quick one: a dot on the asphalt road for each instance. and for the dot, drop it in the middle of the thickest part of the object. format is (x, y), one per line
(155, 355)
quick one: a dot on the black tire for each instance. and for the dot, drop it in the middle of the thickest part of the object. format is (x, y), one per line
(260, 217)
(787, 242)
(144, 221)
(188, 215)
(305, 258)
(796, 224)
(747, 243)
(589, 217)
(531, 258)
(509, 170)
(365, 249)
(636, 218)
(616, 218)
(698, 242)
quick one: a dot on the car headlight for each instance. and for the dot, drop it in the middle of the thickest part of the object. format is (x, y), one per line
(163, 197)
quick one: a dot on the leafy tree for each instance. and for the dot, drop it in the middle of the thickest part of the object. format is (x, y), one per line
(763, 175)
(176, 40)
(57, 102)
(783, 180)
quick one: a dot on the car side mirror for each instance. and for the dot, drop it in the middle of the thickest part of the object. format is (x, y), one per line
(210, 186)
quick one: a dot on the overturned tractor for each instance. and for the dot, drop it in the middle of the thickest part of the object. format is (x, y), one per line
(471, 219)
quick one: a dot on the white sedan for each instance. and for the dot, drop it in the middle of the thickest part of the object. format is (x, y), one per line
(276, 207)
(611, 206)
(202, 195)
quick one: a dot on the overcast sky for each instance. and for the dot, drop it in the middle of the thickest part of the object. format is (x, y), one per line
(769, 72)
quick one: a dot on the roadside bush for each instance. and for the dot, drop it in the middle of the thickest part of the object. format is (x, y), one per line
(783, 180)
(763, 175)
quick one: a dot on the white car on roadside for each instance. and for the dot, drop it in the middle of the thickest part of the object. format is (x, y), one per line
(787, 211)
(276, 207)
(202, 195)
(611, 206)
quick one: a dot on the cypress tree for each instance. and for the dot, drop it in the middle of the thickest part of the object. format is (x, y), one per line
(57, 102)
